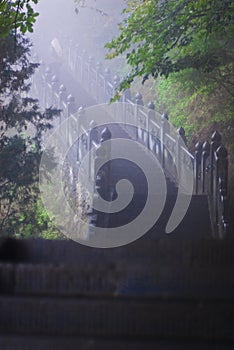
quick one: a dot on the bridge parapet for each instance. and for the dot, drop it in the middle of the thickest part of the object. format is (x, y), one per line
(209, 162)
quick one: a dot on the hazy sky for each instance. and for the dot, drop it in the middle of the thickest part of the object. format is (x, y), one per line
(88, 28)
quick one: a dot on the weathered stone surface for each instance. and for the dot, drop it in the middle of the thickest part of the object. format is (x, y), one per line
(59, 343)
(122, 317)
(154, 280)
(176, 290)
(197, 252)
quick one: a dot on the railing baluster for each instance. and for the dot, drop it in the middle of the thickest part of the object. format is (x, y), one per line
(204, 169)
(222, 183)
(197, 166)
(215, 143)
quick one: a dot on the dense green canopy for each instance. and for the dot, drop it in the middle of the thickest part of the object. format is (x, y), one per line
(18, 14)
(160, 37)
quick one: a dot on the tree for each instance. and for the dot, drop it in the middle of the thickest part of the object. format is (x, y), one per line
(22, 124)
(17, 15)
(161, 37)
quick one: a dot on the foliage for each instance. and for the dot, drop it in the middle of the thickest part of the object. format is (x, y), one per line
(161, 37)
(36, 222)
(83, 3)
(195, 103)
(17, 15)
(22, 126)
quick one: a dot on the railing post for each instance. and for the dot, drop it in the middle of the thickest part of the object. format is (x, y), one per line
(204, 168)
(62, 95)
(107, 80)
(47, 80)
(181, 132)
(222, 185)
(179, 143)
(197, 166)
(116, 81)
(70, 50)
(54, 89)
(164, 119)
(81, 114)
(139, 103)
(126, 98)
(71, 109)
(126, 95)
(83, 54)
(62, 100)
(90, 66)
(71, 105)
(54, 83)
(150, 115)
(214, 177)
(93, 139)
(98, 86)
(102, 179)
(215, 143)
(77, 47)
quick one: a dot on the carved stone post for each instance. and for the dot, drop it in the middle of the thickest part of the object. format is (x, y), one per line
(47, 80)
(70, 54)
(71, 109)
(93, 140)
(107, 80)
(150, 115)
(215, 143)
(71, 105)
(76, 60)
(139, 103)
(54, 90)
(222, 200)
(197, 166)
(116, 81)
(82, 65)
(62, 101)
(54, 83)
(204, 168)
(102, 180)
(179, 143)
(81, 114)
(126, 95)
(89, 82)
(164, 119)
(98, 93)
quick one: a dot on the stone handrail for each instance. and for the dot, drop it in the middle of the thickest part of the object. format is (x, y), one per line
(210, 164)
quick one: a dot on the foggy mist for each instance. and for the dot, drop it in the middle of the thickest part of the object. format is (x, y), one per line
(63, 27)
(90, 27)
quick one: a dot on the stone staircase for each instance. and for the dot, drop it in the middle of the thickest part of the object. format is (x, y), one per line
(196, 223)
(151, 294)
(160, 292)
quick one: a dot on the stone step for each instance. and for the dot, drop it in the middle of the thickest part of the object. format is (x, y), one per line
(38, 342)
(195, 224)
(165, 252)
(154, 280)
(118, 317)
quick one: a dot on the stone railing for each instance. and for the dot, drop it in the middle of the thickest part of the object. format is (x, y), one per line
(209, 163)
(211, 178)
